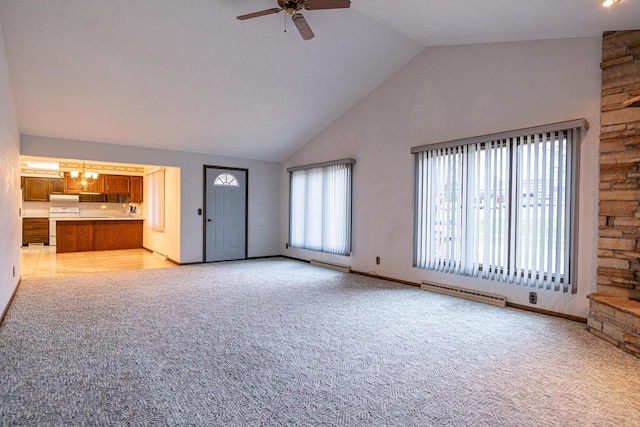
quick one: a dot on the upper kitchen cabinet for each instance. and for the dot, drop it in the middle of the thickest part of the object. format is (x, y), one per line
(35, 189)
(72, 186)
(136, 189)
(56, 185)
(116, 184)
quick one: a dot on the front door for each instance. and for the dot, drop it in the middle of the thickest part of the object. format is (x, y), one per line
(225, 214)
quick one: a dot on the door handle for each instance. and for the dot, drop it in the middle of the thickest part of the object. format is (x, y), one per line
(208, 219)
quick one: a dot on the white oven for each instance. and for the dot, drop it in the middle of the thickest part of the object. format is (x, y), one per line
(60, 212)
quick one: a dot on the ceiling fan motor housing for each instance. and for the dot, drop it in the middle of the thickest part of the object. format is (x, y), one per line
(292, 6)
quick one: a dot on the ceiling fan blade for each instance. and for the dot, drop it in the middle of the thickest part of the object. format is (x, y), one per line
(257, 14)
(303, 27)
(327, 4)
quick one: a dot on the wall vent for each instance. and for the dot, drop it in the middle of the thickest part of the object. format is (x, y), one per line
(492, 299)
(331, 265)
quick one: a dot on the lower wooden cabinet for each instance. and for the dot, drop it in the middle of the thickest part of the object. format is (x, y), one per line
(78, 236)
(35, 230)
(117, 235)
(74, 236)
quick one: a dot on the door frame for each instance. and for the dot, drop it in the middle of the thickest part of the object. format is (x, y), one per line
(204, 210)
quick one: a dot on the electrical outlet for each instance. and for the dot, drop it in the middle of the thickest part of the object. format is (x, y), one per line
(533, 298)
(378, 260)
(286, 246)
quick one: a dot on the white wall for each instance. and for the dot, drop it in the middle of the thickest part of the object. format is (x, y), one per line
(447, 93)
(10, 236)
(264, 187)
(166, 242)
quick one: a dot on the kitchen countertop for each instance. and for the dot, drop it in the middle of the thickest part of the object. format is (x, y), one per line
(102, 218)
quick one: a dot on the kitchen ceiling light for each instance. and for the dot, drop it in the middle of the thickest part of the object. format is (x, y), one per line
(83, 177)
(41, 165)
(609, 3)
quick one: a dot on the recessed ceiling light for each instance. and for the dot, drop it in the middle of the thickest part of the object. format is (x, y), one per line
(608, 3)
(45, 166)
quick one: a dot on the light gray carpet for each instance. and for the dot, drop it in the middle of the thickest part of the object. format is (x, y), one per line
(279, 342)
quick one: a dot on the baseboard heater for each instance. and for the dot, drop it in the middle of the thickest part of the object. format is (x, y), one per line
(331, 266)
(492, 299)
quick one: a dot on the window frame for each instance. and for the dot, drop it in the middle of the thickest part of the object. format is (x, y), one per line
(574, 129)
(230, 183)
(349, 211)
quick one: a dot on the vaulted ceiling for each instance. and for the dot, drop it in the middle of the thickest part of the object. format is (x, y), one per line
(186, 75)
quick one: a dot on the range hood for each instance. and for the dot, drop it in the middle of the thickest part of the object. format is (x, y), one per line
(64, 198)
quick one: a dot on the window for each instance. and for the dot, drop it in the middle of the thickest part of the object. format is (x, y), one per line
(500, 207)
(226, 179)
(320, 207)
(155, 218)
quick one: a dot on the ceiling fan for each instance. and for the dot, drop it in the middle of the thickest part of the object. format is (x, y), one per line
(293, 6)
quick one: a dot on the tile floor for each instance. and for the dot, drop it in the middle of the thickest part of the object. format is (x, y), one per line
(42, 261)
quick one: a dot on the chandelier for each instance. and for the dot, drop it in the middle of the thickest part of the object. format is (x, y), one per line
(83, 177)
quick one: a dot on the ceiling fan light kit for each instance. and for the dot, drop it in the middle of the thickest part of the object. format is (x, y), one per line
(292, 7)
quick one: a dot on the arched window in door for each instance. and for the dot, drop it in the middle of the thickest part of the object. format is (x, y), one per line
(226, 179)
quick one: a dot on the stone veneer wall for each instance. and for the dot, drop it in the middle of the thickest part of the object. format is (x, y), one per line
(619, 243)
(614, 314)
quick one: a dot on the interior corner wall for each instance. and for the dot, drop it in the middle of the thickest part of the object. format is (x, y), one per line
(264, 187)
(448, 93)
(11, 235)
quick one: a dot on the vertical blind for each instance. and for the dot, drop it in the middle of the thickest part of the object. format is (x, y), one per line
(320, 207)
(156, 200)
(500, 208)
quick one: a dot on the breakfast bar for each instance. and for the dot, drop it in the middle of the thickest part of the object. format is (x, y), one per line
(98, 234)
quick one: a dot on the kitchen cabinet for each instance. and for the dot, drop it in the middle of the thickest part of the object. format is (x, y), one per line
(35, 230)
(35, 189)
(116, 184)
(97, 235)
(74, 236)
(136, 184)
(56, 186)
(109, 235)
(72, 186)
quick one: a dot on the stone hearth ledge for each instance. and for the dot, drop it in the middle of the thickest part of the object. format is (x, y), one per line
(616, 320)
(623, 304)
